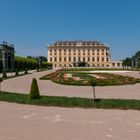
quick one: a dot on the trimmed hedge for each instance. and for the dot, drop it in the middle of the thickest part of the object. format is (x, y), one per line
(22, 63)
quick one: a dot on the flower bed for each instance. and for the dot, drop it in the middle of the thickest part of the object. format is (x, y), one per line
(82, 79)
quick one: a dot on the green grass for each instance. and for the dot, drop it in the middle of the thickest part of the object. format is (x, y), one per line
(71, 102)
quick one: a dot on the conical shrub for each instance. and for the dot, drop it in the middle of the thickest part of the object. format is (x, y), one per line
(26, 71)
(17, 72)
(34, 91)
(4, 75)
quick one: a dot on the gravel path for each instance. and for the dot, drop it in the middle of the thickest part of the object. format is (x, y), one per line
(24, 122)
(22, 85)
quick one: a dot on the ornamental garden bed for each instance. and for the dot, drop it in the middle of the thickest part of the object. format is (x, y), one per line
(82, 78)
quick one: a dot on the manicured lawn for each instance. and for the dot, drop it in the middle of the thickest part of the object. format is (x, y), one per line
(71, 102)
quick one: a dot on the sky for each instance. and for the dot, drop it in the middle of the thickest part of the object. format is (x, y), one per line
(33, 24)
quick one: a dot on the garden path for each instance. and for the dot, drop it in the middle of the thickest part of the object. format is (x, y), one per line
(47, 87)
(27, 122)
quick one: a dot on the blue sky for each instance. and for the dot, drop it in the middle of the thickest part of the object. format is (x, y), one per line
(32, 24)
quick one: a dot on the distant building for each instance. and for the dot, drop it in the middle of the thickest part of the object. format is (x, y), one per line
(72, 53)
(116, 64)
(6, 57)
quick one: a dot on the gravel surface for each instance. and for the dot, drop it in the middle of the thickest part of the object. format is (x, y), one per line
(24, 122)
(47, 87)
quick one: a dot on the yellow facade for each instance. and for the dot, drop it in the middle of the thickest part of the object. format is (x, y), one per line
(70, 53)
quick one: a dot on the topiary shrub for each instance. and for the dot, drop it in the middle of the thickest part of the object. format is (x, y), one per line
(37, 69)
(4, 75)
(93, 83)
(34, 91)
(26, 71)
(0, 83)
(17, 72)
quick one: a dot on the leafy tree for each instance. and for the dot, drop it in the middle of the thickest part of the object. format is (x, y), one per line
(93, 83)
(127, 62)
(81, 64)
(1, 66)
(34, 91)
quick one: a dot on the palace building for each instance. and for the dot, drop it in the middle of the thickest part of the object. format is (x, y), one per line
(79, 53)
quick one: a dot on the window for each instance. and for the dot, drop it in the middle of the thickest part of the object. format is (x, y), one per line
(98, 59)
(74, 59)
(69, 58)
(50, 59)
(107, 59)
(118, 64)
(64, 50)
(55, 50)
(65, 59)
(69, 50)
(55, 59)
(98, 50)
(60, 65)
(59, 58)
(88, 50)
(93, 59)
(88, 58)
(79, 59)
(102, 59)
(83, 59)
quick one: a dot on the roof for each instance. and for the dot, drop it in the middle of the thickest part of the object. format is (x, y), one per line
(78, 43)
(6, 47)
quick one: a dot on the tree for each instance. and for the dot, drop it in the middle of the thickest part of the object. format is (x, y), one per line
(0, 83)
(34, 91)
(93, 83)
(127, 62)
(81, 64)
